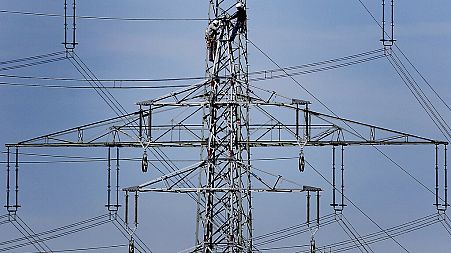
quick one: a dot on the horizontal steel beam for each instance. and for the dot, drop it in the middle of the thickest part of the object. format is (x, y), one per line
(188, 190)
(197, 143)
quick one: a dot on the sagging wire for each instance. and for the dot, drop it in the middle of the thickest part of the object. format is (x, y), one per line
(267, 75)
(421, 97)
(360, 210)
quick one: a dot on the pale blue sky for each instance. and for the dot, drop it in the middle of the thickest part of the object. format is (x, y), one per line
(292, 32)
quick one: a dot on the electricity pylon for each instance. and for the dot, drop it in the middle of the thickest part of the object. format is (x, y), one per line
(216, 118)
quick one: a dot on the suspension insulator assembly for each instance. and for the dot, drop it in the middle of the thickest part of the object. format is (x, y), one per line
(144, 162)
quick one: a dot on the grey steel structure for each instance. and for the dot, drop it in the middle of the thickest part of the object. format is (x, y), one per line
(215, 118)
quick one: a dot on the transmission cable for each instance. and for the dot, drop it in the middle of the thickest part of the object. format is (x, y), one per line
(424, 79)
(358, 208)
(101, 18)
(57, 232)
(377, 22)
(265, 74)
(89, 248)
(35, 57)
(426, 107)
(354, 236)
(422, 96)
(357, 133)
(33, 63)
(405, 56)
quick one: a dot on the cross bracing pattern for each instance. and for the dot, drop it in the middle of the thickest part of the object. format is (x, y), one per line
(224, 120)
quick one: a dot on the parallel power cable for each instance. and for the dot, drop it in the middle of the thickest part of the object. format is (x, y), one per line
(375, 237)
(261, 75)
(124, 231)
(93, 80)
(421, 95)
(380, 151)
(35, 57)
(355, 240)
(55, 233)
(358, 208)
(422, 77)
(88, 248)
(405, 56)
(346, 245)
(321, 116)
(353, 234)
(286, 233)
(40, 14)
(108, 97)
(420, 99)
(447, 136)
(29, 235)
(445, 224)
(31, 61)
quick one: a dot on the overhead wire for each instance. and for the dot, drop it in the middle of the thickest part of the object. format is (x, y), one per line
(125, 232)
(34, 243)
(447, 134)
(54, 233)
(428, 112)
(266, 75)
(405, 56)
(31, 64)
(89, 248)
(286, 233)
(35, 57)
(41, 14)
(358, 208)
(375, 237)
(422, 77)
(299, 84)
(422, 98)
(354, 234)
(355, 240)
(29, 234)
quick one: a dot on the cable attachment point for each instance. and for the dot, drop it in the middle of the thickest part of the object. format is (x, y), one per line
(144, 162)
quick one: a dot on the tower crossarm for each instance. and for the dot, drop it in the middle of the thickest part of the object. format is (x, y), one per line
(318, 130)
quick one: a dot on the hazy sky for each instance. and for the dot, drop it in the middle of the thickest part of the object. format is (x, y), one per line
(291, 32)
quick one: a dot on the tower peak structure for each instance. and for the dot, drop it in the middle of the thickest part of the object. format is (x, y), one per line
(224, 119)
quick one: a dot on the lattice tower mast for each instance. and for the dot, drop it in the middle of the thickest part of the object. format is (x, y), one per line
(226, 216)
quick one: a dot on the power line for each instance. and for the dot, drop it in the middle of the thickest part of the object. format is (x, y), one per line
(30, 58)
(261, 75)
(356, 133)
(416, 69)
(358, 208)
(35, 85)
(40, 14)
(424, 79)
(90, 248)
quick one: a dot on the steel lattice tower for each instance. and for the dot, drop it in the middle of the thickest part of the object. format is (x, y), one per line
(217, 120)
(226, 215)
